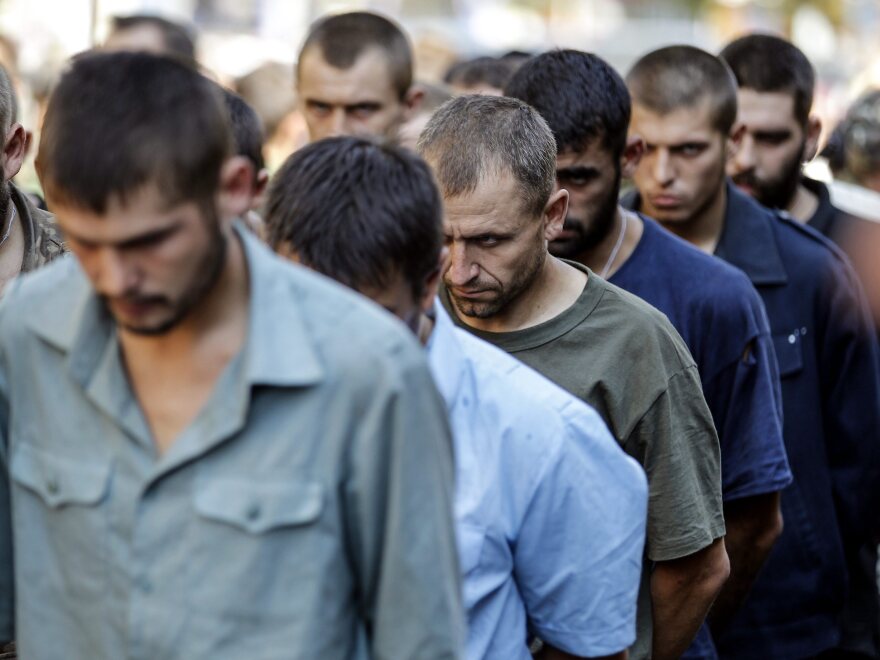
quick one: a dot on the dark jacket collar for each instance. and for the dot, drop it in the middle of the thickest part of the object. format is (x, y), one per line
(826, 214)
(748, 240)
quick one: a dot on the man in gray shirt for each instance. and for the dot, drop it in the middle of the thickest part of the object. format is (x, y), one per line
(204, 451)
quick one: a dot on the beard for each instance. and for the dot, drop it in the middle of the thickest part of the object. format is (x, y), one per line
(502, 294)
(207, 274)
(589, 233)
(776, 193)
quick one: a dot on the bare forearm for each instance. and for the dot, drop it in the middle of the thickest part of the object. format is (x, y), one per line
(753, 525)
(681, 593)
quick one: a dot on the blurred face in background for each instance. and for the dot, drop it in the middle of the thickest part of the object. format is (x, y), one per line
(360, 100)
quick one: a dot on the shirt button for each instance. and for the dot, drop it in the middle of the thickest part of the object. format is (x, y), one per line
(253, 512)
(52, 485)
(792, 339)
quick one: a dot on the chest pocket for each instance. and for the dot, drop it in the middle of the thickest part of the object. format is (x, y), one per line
(61, 518)
(789, 352)
(259, 507)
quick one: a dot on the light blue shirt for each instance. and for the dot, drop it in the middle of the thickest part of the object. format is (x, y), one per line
(305, 513)
(550, 512)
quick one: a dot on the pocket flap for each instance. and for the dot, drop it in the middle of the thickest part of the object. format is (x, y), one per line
(789, 352)
(258, 507)
(57, 479)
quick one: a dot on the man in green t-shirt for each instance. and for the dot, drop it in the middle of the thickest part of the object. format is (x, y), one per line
(495, 160)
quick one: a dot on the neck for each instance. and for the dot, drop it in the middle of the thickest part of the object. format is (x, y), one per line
(704, 229)
(426, 327)
(555, 288)
(803, 204)
(598, 257)
(223, 308)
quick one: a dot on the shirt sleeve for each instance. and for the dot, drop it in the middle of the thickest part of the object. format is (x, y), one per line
(850, 382)
(745, 398)
(399, 500)
(578, 553)
(676, 443)
(7, 584)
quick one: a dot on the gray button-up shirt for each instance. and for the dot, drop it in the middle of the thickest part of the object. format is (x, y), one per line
(305, 513)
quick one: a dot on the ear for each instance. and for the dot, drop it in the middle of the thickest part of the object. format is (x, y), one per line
(554, 213)
(432, 282)
(632, 155)
(412, 101)
(734, 140)
(814, 131)
(15, 148)
(236, 188)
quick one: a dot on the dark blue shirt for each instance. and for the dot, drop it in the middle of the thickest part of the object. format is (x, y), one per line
(721, 318)
(828, 362)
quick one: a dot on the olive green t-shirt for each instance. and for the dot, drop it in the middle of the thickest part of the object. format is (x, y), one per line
(623, 357)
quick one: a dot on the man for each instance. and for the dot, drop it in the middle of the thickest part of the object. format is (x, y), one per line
(549, 512)
(205, 452)
(480, 75)
(684, 107)
(28, 236)
(247, 138)
(354, 76)
(152, 34)
(713, 306)
(495, 161)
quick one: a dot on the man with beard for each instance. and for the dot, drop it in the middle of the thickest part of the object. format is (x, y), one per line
(550, 513)
(713, 306)
(205, 451)
(495, 161)
(28, 236)
(684, 108)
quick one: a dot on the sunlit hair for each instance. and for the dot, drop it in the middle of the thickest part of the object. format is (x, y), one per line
(119, 121)
(676, 77)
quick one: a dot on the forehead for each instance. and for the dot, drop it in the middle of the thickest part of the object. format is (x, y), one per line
(682, 125)
(765, 109)
(369, 78)
(594, 154)
(495, 205)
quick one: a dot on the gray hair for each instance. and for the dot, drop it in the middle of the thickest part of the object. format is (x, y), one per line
(8, 102)
(470, 137)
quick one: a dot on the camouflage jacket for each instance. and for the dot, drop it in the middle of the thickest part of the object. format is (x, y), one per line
(42, 239)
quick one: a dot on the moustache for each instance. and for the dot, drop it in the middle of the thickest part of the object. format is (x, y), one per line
(745, 179)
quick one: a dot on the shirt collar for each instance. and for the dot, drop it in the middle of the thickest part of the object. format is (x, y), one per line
(748, 240)
(445, 356)
(825, 214)
(278, 351)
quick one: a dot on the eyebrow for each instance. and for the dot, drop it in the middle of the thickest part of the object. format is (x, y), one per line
(577, 170)
(133, 241)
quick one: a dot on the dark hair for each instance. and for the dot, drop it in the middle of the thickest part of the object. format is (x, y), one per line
(766, 63)
(860, 136)
(247, 130)
(344, 37)
(358, 211)
(179, 40)
(119, 121)
(472, 136)
(579, 95)
(491, 71)
(682, 77)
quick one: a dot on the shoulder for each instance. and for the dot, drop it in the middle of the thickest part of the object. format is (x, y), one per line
(48, 241)
(810, 255)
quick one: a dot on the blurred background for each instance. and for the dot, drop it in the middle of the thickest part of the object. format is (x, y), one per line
(239, 37)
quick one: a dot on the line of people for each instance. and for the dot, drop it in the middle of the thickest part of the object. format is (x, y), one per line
(605, 426)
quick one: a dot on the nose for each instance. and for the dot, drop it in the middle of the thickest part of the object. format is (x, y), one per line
(663, 170)
(338, 123)
(112, 275)
(460, 269)
(744, 156)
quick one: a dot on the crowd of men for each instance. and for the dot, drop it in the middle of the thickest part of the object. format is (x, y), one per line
(590, 422)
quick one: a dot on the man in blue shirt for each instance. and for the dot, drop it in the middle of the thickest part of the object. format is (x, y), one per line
(684, 107)
(550, 512)
(713, 306)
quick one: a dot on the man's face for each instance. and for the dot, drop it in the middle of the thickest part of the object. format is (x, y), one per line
(496, 248)
(360, 100)
(682, 170)
(767, 163)
(592, 179)
(151, 264)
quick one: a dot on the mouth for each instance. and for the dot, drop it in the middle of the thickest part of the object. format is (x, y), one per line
(133, 308)
(566, 235)
(665, 201)
(469, 295)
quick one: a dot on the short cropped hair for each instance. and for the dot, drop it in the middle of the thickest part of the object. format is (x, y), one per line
(343, 38)
(682, 77)
(474, 136)
(358, 211)
(491, 71)
(119, 121)
(179, 39)
(247, 130)
(766, 63)
(579, 95)
(860, 136)
(8, 101)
